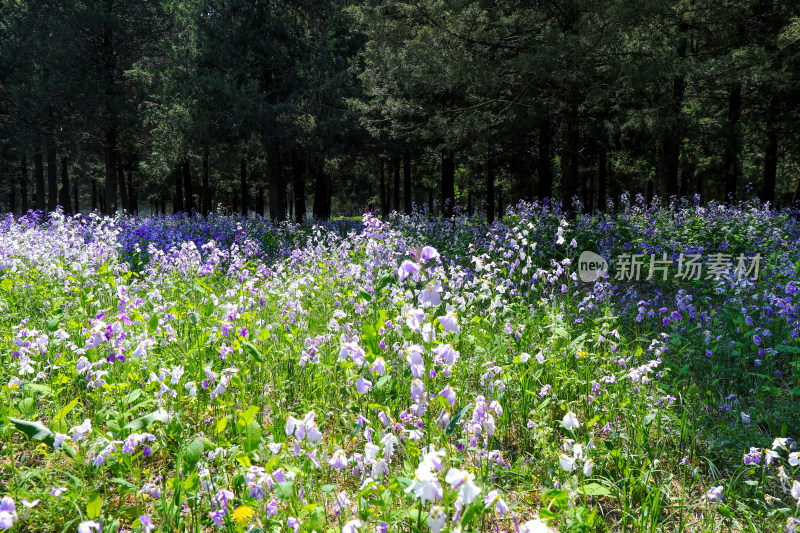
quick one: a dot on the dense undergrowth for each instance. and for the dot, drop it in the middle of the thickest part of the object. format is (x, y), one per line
(223, 374)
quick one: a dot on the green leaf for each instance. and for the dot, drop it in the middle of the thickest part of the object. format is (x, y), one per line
(248, 415)
(52, 323)
(123, 483)
(251, 439)
(284, 491)
(94, 506)
(327, 489)
(451, 427)
(253, 351)
(34, 430)
(191, 483)
(6, 284)
(315, 520)
(383, 282)
(593, 489)
(65, 410)
(468, 515)
(159, 415)
(193, 452)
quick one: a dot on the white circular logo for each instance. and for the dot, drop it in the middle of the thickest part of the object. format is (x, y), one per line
(590, 266)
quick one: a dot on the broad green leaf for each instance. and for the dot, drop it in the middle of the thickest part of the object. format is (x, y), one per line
(193, 452)
(159, 415)
(593, 489)
(94, 506)
(64, 411)
(251, 439)
(252, 351)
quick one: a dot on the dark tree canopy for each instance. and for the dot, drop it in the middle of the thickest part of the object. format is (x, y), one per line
(297, 108)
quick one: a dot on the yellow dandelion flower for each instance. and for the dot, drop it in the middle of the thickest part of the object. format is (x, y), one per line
(243, 514)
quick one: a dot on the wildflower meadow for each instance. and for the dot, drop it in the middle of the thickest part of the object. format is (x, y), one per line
(199, 374)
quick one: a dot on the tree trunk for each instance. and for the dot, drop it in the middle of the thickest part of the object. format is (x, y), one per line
(407, 183)
(110, 148)
(321, 201)
(205, 201)
(384, 196)
(469, 203)
(235, 202)
(545, 167)
(188, 188)
(12, 196)
(299, 186)
(602, 177)
(430, 202)
(569, 159)
(448, 183)
(733, 168)
(26, 201)
(52, 176)
(277, 188)
(770, 166)
(133, 198)
(396, 184)
(63, 198)
(177, 202)
(38, 178)
(588, 203)
(243, 185)
(671, 140)
(124, 197)
(260, 202)
(75, 197)
(650, 193)
(94, 194)
(490, 192)
(501, 208)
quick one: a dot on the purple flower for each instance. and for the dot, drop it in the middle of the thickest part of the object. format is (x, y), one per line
(406, 269)
(147, 523)
(363, 385)
(217, 517)
(448, 394)
(428, 253)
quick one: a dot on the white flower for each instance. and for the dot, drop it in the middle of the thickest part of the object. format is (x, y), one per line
(88, 527)
(745, 418)
(462, 480)
(587, 467)
(571, 421)
(567, 463)
(714, 494)
(425, 485)
(389, 441)
(79, 431)
(533, 526)
(494, 499)
(352, 526)
(794, 459)
(780, 443)
(796, 491)
(437, 518)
